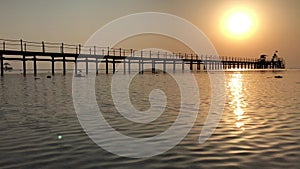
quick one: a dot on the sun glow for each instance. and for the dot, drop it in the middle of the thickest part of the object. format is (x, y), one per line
(239, 23)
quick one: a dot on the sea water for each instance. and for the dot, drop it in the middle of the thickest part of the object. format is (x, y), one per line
(259, 127)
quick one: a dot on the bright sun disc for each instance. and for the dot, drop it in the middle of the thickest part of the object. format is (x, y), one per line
(239, 23)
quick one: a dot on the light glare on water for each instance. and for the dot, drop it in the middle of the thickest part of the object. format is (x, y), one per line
(235, 85)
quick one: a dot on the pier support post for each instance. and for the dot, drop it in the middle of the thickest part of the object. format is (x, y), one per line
(64, 59)
(182, 65)
(174, 66)
(64, 65)
(34, 66)
(153, 66)
(198, 65)
(106, 65)
(164, 66)
(114, 66)
(75, 65)
(52, 63)
(86, 65)
(124, 65)
(24, 65)
(142, 66)
(129, 65)
(96, 66)
(191, 65)
(2, 67)
(139, 66)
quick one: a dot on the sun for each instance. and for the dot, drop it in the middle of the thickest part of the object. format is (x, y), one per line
(239, 23)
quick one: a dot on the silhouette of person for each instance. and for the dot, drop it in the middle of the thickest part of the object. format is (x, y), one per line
(275, 57)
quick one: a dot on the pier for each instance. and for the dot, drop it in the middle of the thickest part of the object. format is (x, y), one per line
(108, 58)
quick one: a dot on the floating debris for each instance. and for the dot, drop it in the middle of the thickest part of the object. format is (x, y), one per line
(48, 76)
(278, 77)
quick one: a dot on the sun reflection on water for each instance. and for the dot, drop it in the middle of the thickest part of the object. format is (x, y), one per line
(236, 86)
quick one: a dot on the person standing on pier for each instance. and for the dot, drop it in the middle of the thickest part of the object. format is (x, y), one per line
(275, 57)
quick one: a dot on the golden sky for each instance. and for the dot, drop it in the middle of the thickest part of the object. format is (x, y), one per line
(273, 24)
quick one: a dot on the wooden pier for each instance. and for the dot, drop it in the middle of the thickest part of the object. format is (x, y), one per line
(24, 51)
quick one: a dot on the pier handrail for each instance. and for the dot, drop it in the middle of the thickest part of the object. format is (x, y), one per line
(24, 45)
(55, 47)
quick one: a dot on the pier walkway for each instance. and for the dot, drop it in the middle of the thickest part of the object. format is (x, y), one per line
(24, 51)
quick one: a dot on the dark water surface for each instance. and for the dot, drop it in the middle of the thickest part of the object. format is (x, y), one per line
(260, 126)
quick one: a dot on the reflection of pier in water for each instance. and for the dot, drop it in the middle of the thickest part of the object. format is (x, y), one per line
(19, 50)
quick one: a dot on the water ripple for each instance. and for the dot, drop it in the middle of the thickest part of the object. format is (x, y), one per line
(259, 127)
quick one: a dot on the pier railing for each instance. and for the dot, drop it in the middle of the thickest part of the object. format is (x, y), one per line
(54, 47)
(21, 50)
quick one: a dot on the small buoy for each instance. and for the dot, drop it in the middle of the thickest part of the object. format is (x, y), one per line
(48, 76)
(59, 137)
(278, 76)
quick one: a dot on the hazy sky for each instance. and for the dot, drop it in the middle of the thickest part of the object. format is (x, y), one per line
(276, 22)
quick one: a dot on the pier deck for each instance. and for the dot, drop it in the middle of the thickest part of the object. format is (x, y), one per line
(24, 51)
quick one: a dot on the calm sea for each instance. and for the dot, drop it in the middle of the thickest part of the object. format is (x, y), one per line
(259, 128)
